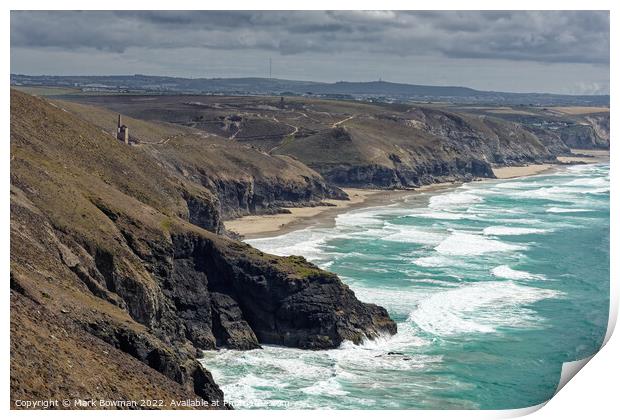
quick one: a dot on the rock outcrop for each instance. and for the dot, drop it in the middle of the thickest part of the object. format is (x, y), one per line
(592, 134)
(245, 180)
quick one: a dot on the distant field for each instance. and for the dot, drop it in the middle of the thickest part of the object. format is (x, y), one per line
(579, 110)
(505, 110)
(47, 90)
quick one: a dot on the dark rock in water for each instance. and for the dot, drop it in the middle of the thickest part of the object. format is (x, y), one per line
(285, 301)
(395, 353)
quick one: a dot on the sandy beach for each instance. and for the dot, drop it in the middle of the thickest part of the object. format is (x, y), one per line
(583, 156)
(517, 171)
(256, 226)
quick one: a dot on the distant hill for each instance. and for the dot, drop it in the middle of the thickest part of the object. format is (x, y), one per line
(395, 89)
(377, 90)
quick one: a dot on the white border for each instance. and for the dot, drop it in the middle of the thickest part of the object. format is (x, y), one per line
(593, 394)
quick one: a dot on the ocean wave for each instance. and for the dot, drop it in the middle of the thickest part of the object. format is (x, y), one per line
(519, 221)
(598, 191)
(329, 386)
(479, 308)
(434, 261)
(589, 182)
(408, 234)
(434, 282)
(357, 219)
(565, 210)
(396, 300)
(461, 243)
(518, 185)
(509, 230)
(440, 215)
(326, 265)
(504, 271)
(273, 373)
(562, 194)
(454, 199)
(308, 243)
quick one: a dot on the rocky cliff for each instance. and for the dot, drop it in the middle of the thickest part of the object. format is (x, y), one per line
(114, 259)
(558, 128)
(244, 179)
(415, 147)
(590, 133)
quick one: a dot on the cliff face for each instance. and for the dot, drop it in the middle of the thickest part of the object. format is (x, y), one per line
(110, 250)
(244, 180)
(560, 128)
(416, 147)
(591, 133)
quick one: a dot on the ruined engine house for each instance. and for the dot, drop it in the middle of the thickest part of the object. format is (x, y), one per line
(122, 131)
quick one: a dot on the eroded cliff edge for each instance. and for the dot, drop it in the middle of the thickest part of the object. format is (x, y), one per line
(115, 269)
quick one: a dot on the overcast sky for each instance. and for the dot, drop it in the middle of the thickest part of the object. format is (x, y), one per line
(558, 52)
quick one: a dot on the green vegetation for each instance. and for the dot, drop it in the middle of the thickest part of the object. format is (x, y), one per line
(47, 90)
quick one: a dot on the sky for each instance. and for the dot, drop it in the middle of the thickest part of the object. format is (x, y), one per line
(514, 51)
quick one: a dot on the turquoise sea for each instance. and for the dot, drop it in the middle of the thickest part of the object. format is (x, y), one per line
(493, 284)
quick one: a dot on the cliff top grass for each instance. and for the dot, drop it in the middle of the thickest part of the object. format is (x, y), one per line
(193, 150)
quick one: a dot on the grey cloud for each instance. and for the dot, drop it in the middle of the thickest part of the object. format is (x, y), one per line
(552, 37)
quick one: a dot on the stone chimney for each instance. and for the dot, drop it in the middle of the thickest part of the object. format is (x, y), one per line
(122, 131)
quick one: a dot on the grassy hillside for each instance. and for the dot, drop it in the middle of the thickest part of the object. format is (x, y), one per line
(243, 178)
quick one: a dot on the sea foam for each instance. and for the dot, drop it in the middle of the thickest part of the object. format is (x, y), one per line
(504, 271)
(304, 242)
(564, 210)
(461, 243)
(479, 308)
(509, 230)
(454, 199)
(408, 234)
(440, 215)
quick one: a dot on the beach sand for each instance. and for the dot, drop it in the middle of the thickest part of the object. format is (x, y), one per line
(585, 156)
(517, 171)
(256, 226)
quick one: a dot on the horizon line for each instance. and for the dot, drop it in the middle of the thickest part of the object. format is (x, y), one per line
(380, 80)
